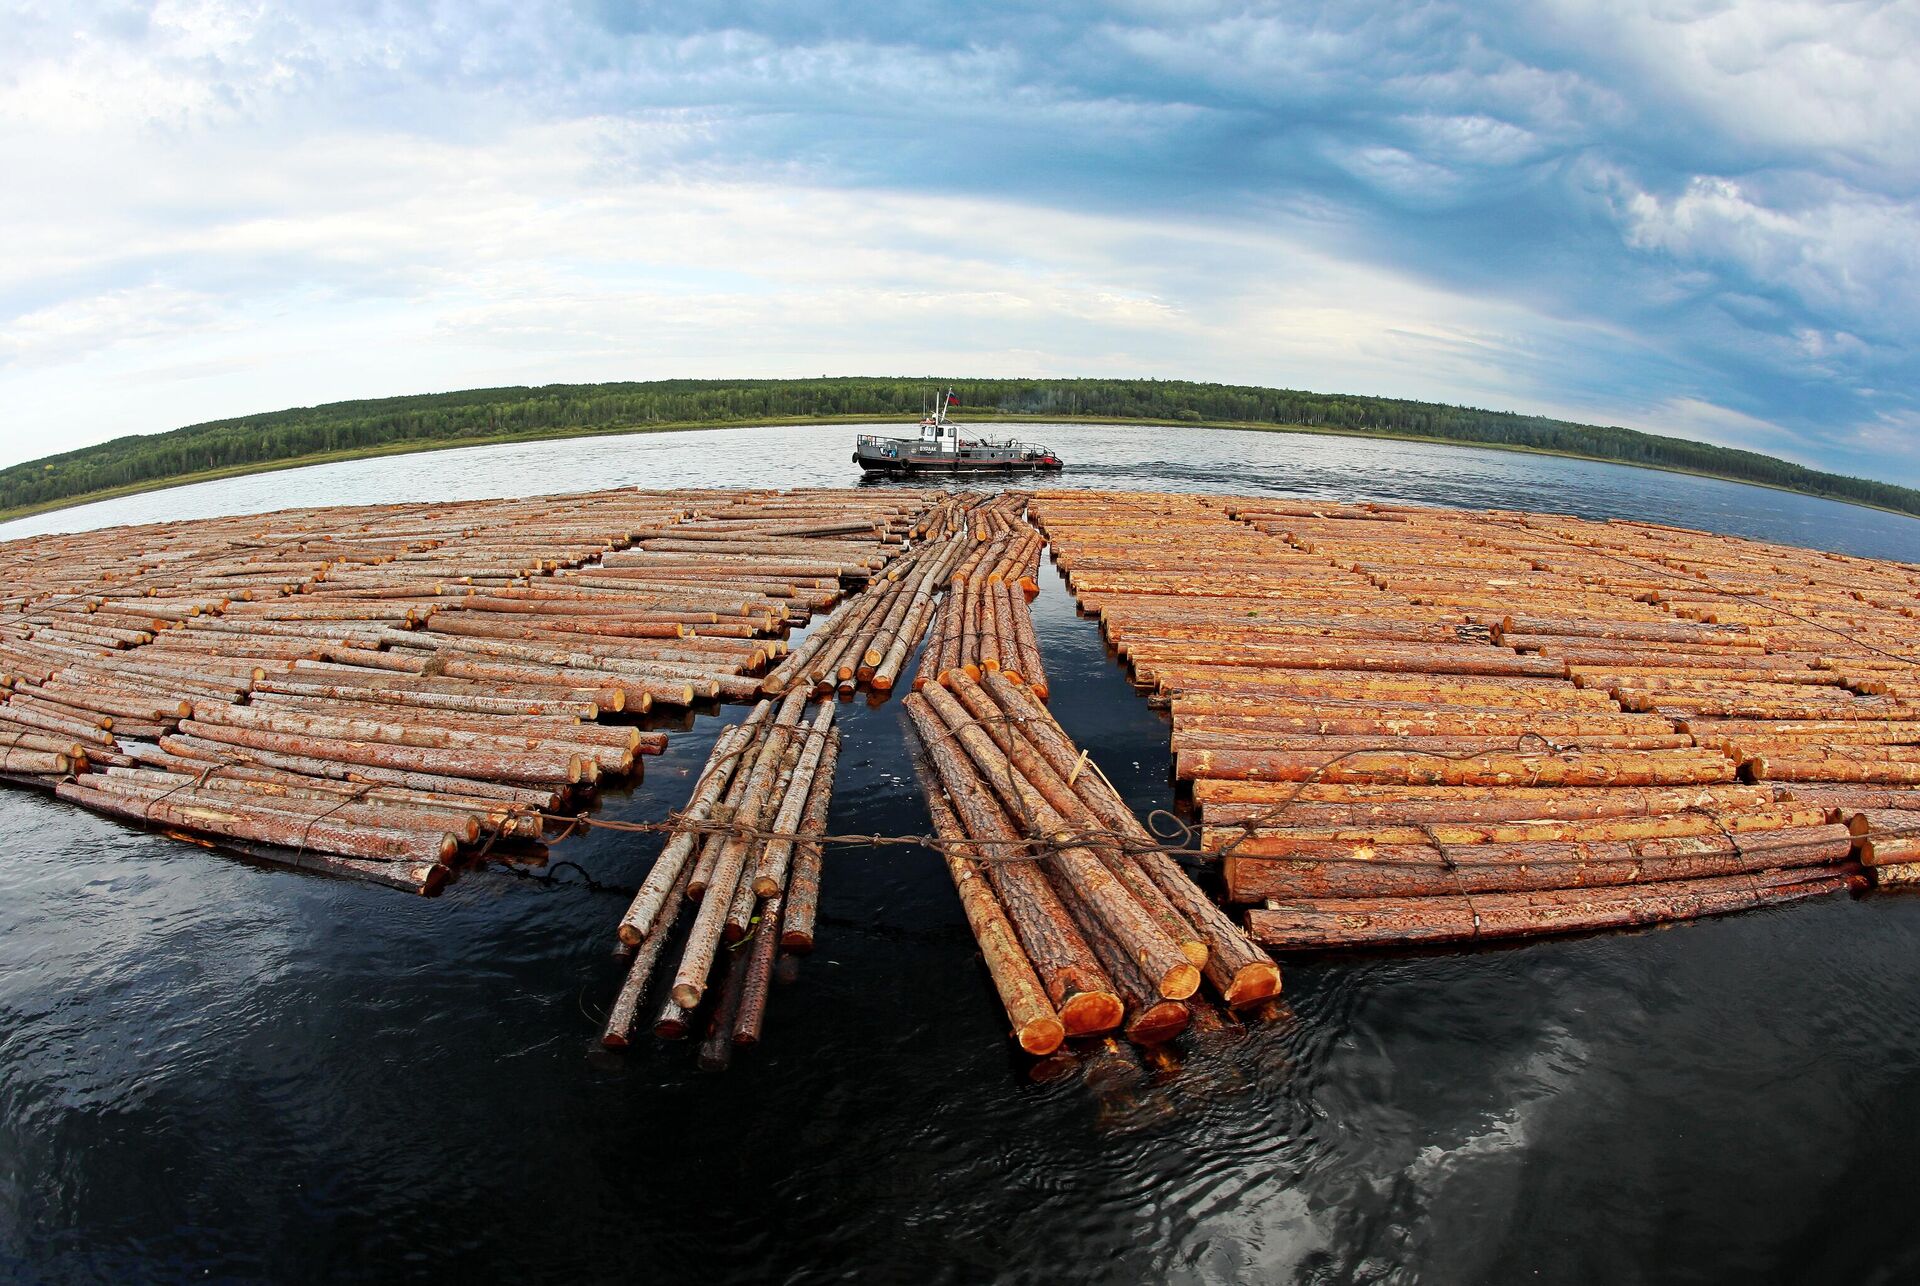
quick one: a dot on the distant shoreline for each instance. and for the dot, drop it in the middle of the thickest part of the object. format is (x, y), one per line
(504, 439)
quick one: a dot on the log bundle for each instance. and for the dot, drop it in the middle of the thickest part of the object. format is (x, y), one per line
(870, 643)
(1405, 725)
(1085, 925)
(742, 866)
(985, 623)
(346, 688)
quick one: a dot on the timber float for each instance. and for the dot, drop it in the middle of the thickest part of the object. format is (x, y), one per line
(1390, 726)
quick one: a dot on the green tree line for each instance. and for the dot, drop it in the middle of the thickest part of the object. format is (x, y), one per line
(507, 413)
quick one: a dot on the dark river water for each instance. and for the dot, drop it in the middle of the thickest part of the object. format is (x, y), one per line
(214, 1070)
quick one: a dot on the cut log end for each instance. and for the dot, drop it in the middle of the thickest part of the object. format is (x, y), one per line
(686, 995)
(1179, 982)
(1157, 1024)
(1042, 1036)
(1090, 1012)
(1253, 983)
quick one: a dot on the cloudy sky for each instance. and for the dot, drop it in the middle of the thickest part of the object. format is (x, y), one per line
(1690, 217)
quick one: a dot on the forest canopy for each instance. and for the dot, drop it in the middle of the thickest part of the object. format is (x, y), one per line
(506, 414)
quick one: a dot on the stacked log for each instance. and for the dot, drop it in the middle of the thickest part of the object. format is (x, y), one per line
(1085, 925)
(744, 860)
(984, 623)
(422, 656)
(871, 639)
(1380, 705)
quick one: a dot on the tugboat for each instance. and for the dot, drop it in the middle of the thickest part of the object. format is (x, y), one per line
(940, 449)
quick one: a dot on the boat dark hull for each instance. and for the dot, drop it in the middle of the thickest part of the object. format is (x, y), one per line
(947, 464)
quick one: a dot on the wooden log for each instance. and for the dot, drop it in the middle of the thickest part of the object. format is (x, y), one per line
(35, 761)
(758, 981)
(1032, 668)
(492, 765)
(1076, 986)
(217, 752)
(236, 820)
(1036, 1026)
(1833, 766)
(1238, 969)
(888, 672)
(1617, 767)
(802, 900)
(1150, 1018)
(716, 1049)
(1008, 730)
(1291, 836)
(625, 1014)
(1255, 879)
(672, 868)
(1079, 868)
(769, 875)
(703, 939)
(1315, 924)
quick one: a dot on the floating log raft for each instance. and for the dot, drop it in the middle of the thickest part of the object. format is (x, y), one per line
(362, 682)
(743, 859)
(1086, 926)
(870, 642)
(1376, 706)
(984, 623)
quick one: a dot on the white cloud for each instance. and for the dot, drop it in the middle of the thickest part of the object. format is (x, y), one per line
(218, 206)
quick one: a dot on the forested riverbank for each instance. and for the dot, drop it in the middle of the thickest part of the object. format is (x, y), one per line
(347, 430)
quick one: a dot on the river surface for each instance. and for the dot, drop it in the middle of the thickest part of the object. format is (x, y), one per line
(216, 1070)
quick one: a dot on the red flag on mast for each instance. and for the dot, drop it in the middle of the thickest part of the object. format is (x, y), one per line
(953, 399)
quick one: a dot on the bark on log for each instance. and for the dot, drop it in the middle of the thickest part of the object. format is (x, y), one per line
(1076, 985)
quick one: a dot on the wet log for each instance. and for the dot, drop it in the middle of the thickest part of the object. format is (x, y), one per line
(217, 752)
(716, 1048)
(1255, 879)
(769, 876)
(1036, 1026)
(1079, 868)
(625, 1014)
(410, 850)
(1076, 986)
(491, 765)
(703, 939)
(758, 980)
(1285, 834)
(1008, 729)
(672, 868)
(1617, 767)
(1317, 924)
(1235, 966)
(802, 900)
